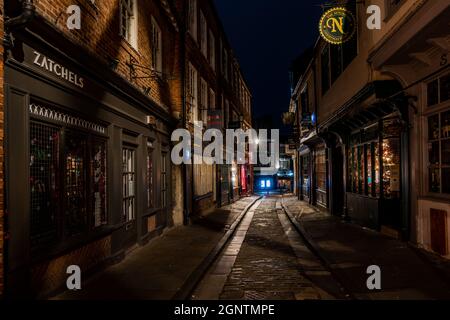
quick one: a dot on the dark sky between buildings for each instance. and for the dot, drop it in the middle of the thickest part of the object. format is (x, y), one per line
(267, 35)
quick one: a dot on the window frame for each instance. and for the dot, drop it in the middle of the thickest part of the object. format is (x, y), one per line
(193, 91)
(125, 186)
(193, 19)
(91, 140)
(157, 47)
(204, 43)
(150, 175)
(439, 102)
(212, 50)
(428, 112)
(204, 94)
(129, 31)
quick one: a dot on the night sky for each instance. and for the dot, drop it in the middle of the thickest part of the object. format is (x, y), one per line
(267, 35)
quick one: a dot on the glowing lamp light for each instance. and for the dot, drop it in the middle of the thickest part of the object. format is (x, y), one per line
(313, 118)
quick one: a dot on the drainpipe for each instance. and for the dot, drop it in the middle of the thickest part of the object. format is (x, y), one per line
(28, 12)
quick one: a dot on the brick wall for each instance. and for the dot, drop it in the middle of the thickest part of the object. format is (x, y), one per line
(100, 35)
(1, 157)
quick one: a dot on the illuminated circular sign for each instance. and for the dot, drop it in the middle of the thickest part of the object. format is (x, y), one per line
(337, 25)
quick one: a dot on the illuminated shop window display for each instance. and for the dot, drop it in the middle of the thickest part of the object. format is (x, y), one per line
(374, 161)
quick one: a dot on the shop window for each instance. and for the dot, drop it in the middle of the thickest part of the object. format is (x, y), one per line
(68, 199)
(129, 184)
(75, 183)
(361, 170)
(438, 90)
(98, 170)
(376, 173)
(44, 186)
(305, 175)
(364, 169)
(364, 165)
(439, 152)
(391, 168)
(149, 177)
(321, 170)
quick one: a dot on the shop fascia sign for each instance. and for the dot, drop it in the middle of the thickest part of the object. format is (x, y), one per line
(57, 69)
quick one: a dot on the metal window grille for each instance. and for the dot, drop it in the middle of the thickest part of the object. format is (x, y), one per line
(44, 175)
(67, 177)
(76, 216)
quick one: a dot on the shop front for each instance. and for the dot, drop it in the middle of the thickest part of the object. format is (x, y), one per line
(374, 175)
(368, 147)
(87, 177)
(305, 175)
(321, 176)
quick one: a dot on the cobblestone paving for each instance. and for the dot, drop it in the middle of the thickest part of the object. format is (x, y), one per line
(266, 267)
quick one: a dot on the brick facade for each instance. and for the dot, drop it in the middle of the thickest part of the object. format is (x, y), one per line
(224, 77)
(99, 34)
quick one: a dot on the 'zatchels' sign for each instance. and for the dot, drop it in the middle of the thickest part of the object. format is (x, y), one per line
(57, 69)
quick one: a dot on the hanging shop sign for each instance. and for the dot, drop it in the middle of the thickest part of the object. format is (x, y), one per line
(337, 25)
(57, 69)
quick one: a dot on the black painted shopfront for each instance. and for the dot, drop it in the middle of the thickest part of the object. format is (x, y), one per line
(86, 177)
(369, 149)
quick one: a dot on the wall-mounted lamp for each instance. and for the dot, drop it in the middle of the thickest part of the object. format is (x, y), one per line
(113, 64)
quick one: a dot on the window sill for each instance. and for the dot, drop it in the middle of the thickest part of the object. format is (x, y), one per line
(128, 46)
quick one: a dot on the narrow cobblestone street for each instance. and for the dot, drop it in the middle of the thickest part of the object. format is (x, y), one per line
(266, 260)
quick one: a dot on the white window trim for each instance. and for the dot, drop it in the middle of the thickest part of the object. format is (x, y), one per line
(131, 32)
